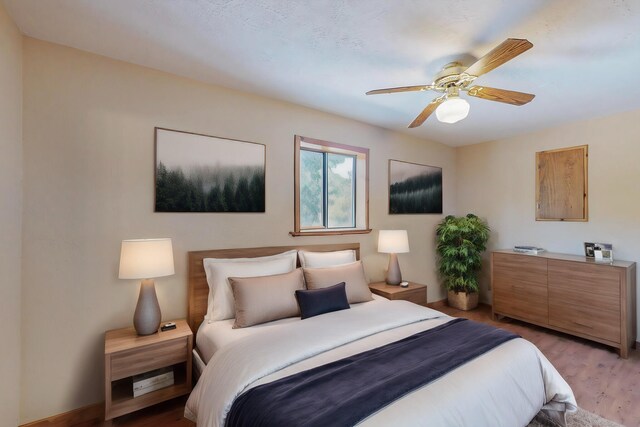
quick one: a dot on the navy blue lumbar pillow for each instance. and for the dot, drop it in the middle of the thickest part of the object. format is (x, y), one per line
(313, 302)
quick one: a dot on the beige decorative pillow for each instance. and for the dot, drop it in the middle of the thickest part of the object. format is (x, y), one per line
(266, 298)
(352, 274)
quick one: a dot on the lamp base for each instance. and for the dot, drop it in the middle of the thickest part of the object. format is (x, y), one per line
(147, 317)
(394, 277)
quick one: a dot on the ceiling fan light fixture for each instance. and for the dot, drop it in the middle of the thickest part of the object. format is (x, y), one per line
(452, 110)
(454, 77)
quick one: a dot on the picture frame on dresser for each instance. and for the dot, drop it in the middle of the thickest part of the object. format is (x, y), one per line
(603, 252)
(588, 249)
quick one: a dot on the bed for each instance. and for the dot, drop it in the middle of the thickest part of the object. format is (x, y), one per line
(505, 386)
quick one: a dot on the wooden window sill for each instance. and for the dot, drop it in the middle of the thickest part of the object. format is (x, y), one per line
(329, 232)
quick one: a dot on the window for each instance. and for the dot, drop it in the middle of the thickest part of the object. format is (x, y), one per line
(331, 188)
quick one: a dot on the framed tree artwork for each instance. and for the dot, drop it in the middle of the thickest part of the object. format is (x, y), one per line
(414, 188)
(201, 173)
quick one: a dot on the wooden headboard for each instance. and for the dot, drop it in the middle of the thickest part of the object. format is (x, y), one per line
(199, 289)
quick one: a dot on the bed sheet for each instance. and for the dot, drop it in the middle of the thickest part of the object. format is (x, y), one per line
(212, 336)
(505, 387)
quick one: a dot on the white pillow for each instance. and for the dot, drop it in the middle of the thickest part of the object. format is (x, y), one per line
(326, 259)
(218, 270)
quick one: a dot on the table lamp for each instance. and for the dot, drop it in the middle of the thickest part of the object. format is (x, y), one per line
(146, 259)
(393, 242)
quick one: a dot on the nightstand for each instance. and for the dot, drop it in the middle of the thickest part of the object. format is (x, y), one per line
(126, 354)
(415, 292)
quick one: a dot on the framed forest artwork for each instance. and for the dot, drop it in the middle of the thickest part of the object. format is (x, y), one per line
(200, 173)
(414, 188)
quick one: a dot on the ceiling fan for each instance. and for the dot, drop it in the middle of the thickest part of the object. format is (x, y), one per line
(454, 78)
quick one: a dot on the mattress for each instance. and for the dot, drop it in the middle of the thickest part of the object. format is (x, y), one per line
(212, 336)
(506, 386)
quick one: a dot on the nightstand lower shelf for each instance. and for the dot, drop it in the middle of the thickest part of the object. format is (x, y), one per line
(123, 402)
(125, 406)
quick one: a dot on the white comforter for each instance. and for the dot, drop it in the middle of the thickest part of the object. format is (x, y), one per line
(505, 387)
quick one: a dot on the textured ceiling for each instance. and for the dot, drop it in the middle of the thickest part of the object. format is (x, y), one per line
(326, 54)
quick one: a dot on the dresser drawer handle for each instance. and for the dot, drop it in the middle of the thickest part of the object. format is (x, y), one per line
(582, 324)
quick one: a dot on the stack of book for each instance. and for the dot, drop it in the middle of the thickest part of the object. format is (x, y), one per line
(151, 381)
(532, 250)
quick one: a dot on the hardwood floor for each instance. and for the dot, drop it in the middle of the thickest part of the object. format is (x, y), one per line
(168, 414)
(602, 382)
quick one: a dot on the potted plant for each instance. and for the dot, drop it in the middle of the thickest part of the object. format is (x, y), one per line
(460, 243)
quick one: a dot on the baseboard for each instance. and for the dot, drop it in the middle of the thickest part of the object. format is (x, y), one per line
(88, 414)
(437, 304)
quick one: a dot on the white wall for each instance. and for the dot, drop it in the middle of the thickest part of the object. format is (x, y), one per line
(496, 180)
(10, 215)
(89, 166)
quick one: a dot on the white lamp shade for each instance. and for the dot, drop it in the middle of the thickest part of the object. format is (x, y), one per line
(393, 241)
(146, 259)
(452, 110)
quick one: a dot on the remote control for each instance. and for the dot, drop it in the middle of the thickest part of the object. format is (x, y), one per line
(168, 326)
(404, 284)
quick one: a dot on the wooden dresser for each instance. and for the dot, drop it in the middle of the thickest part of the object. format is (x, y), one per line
(568, 293)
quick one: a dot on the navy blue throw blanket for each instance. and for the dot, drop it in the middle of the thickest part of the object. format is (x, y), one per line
(345, 392)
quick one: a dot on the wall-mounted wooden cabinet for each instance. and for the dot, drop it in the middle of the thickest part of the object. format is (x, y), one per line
(561, 184)
(568, 293)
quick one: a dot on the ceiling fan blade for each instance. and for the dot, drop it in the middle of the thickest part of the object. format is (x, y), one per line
(500, 95)
(505, 51)
(424, 115)
(400, 89)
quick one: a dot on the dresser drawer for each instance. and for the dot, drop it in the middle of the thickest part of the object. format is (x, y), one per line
(524, 268)
(135, 361)
(524, 300)
(520, 287)
(584, 319)
(585, 298)
(594, 285)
